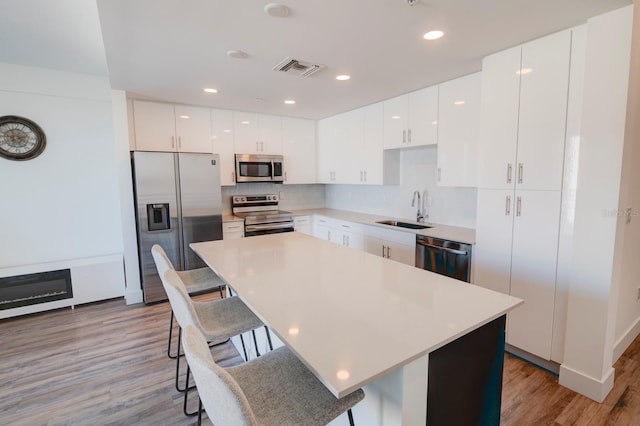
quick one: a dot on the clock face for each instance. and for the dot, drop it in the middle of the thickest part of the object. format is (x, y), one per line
(20, 138)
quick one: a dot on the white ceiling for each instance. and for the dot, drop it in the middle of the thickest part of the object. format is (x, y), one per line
(171, 49)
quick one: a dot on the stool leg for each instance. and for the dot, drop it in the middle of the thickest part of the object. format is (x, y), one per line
(255, 342)
(170, 336)
(220, 290)
(178, 356)
(268, 337)
(244, 349)
(350, 414)
(186, 395)
(199, 412)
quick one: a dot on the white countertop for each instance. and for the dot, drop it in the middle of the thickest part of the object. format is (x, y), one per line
(350, 316)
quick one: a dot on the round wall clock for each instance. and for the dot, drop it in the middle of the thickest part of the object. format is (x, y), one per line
(20, 138)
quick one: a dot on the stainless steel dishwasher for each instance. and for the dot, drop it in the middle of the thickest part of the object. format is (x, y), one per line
(444, 257)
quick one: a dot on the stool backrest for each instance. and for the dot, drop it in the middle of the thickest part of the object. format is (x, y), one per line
(221, 396)
(161, 260)
(180, 300)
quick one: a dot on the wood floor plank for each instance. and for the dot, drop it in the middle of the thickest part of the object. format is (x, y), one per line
(106, 363)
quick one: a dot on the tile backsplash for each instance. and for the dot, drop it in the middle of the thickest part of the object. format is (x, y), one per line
(292, 197)
(418, 166)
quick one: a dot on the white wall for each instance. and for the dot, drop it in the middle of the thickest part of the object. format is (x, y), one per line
(64, 204)
(593, 295)
(627, 268)
(449, 206)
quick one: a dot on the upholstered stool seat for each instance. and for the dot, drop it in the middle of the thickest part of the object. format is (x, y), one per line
(273, 390)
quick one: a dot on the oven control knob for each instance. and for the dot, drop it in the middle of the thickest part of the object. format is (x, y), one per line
(269, 198)
(243, 199)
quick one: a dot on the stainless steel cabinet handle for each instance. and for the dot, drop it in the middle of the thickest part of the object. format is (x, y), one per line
(365, 175)
(519, 206)
(328, 235)
(507, 210)
(179, 142)
(409, 136)
(404, 136)
(360, 175)
(520, 172)
(233, 176)
(173, 141)
(448, 250)
(285, 175)
(509, 168)
(262, 146)
(257, 146)
(388, 252)
(439, 174)
(383, 253)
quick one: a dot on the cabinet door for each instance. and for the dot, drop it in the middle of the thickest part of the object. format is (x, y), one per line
(246, 133)
(494, 227)
(422, 127)
(401, 253)
(222, 144)
(375, 246)
(458, 127)
(232, 230)
(327, 150)
(299, 150)
(396, 118)
(154, 126)
(270, 134)
(303, 224)
(533, 270)
(499, 119)
(544, 89)
(193, 129)
(372, 149)
(349, 136)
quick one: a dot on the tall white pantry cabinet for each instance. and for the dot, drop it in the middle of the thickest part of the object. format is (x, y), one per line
(525, 93)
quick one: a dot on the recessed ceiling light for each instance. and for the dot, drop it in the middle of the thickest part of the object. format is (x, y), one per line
(276, 10)
(245, 122)
(395, 117)
(433, 35)
(524, 71)
(185, 116)
(227, 131)
(458, 103)
(289, 102)
(343, 77)
(210, 90)
(434, 122)
(237, 54)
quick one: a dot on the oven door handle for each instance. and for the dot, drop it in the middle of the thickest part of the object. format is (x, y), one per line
(253, 228)
(450, 250)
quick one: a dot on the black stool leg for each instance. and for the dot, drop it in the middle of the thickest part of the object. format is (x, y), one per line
(268, 337)
(170, 336)
(186, 396)
(199, 412)
(350, 414)
(255, 342)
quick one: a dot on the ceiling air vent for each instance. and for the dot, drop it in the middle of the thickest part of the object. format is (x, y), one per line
(296, 67)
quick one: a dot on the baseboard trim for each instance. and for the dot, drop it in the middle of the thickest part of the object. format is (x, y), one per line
(132, 297)
(626, 339)
(596, 389)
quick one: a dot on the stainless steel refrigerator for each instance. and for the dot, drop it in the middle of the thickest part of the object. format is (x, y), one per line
(178, 202)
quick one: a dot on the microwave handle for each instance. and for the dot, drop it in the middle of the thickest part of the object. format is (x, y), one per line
(273, 170)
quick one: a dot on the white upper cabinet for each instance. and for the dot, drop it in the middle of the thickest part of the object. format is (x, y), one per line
(544, 87)
(328, 150)
(458, 127)
(412, 119)
(257, 133)
(372, 163)
(222, 142)
(499, 119)
(299, 150)
(523, 118)
(169, 128)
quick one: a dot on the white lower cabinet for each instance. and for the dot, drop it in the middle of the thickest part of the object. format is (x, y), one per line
(395, 245)
(232, 230)
(346, 234)
(516, 253)
(303, 224)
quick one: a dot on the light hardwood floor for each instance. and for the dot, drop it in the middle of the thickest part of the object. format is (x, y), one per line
(105, 363)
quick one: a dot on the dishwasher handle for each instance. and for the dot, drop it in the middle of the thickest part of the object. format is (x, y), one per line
(449, 250)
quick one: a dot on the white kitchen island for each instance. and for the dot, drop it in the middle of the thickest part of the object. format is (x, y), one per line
(358, 320)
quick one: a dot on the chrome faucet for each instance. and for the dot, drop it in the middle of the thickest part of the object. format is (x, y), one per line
(419, 215)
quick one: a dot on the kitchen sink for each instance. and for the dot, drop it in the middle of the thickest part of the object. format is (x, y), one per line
(400, 224)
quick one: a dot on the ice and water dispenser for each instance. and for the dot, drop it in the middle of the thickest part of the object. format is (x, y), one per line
(158, 217)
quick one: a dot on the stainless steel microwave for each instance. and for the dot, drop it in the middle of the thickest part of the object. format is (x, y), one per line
(259, 168)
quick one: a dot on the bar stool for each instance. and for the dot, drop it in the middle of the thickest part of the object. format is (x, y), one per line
(273, 390)
(196, 281)
(217, 320)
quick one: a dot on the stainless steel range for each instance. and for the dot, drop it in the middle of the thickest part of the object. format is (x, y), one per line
(261, 214)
